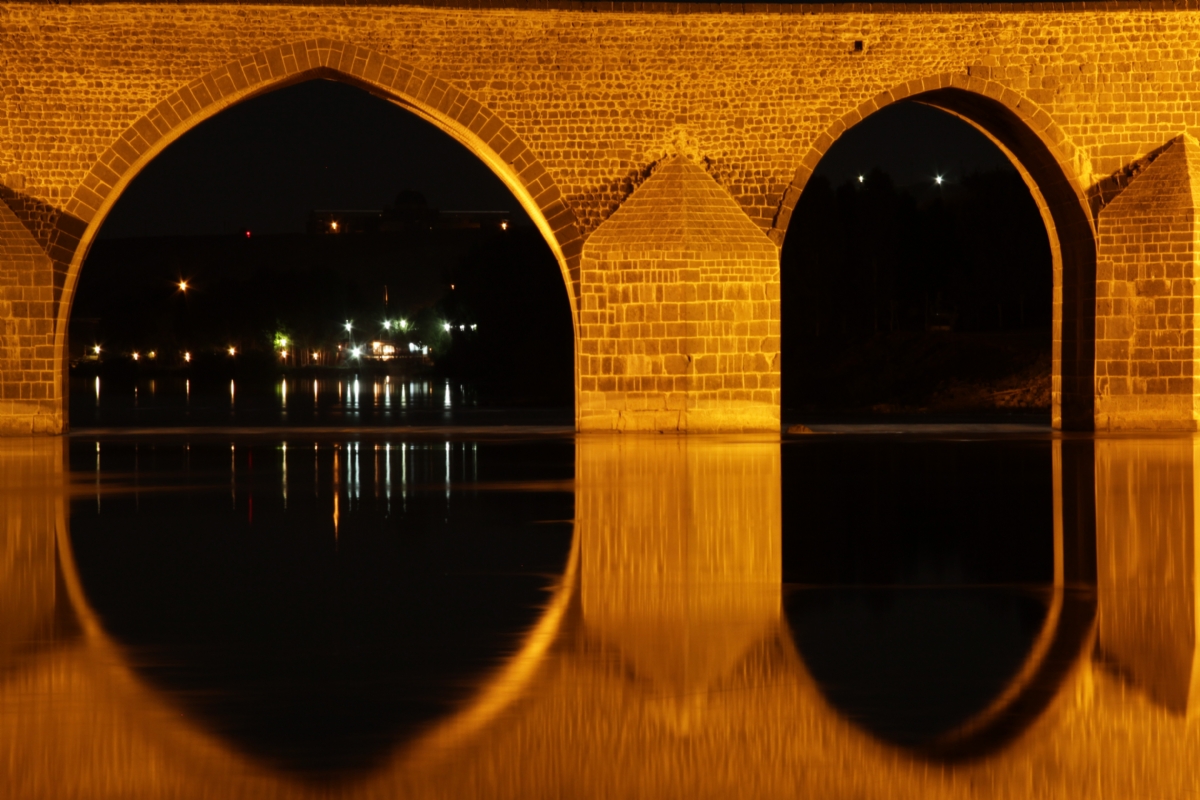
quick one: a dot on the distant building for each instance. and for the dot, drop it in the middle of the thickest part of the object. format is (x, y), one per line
(410, 214)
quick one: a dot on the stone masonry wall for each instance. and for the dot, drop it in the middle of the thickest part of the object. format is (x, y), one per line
(1146, 297)
(572, 106)
(30, 375)
(679, 319)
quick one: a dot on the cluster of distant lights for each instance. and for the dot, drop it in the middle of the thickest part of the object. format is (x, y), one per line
(282, 341)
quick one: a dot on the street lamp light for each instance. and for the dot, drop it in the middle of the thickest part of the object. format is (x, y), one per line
(183, 286)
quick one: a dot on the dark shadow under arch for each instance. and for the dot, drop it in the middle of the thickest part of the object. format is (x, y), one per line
(433, 99)
(1044, 158)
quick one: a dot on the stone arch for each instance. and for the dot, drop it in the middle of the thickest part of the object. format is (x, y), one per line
(1050, 165)
(433, 99)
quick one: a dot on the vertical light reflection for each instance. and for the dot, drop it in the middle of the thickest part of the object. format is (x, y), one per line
(283, 392)
(336, 488)
(231, 394)
(354, 475)
(316, 383)
(387, 479)
(97, 475)
(404, 476)
(285, 479)
(97, 391)
(232, 475)
(355, 403)
(1146, 527)
(446, 401)
(681, 557)
(187, 392)
(447, 470)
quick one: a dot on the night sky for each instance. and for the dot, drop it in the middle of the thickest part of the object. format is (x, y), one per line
(266, 163)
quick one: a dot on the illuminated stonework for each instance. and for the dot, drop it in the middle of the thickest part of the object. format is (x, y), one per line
(679, 319)
(572, 108)
(1146, 297)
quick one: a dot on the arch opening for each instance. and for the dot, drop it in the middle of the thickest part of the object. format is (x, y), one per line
(1012, 127)
(539, 240)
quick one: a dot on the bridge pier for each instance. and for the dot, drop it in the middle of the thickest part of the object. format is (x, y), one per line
(679, 312)
(31, 377)
(1146, 271)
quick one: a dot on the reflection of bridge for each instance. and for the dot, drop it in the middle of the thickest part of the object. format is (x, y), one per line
(716, 119)
(703, 694)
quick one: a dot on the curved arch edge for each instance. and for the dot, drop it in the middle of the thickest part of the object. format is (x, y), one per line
(435, 100)
(1050, 165)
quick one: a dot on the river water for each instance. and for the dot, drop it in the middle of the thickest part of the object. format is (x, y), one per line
(423, 608)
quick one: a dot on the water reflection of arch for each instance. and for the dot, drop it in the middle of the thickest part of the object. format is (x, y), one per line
(159, 749)
(1050, 165)
(681, 580)
(614, 727)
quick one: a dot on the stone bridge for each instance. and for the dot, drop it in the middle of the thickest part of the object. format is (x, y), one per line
(661, 149)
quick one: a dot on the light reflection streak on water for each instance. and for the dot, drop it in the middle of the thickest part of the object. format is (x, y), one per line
(387, 480)
(357, 488)
(284, 476)
(97, 391)
(283, 392)
(446, 401)
(337, 476)
(231, 390)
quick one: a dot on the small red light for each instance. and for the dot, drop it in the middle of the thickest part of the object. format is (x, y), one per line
(247, 233)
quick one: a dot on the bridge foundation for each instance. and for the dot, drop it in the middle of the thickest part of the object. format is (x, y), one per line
(1146, 271)
(31, 377)
(679, 312)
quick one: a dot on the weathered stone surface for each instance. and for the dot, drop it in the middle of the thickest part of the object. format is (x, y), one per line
(679, 320)
(572, 105)
(1146, 297)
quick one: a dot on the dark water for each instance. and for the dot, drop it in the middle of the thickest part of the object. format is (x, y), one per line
(461, 612)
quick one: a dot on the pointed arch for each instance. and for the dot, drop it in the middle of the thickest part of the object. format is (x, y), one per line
(433, 99)
(1050, 165)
